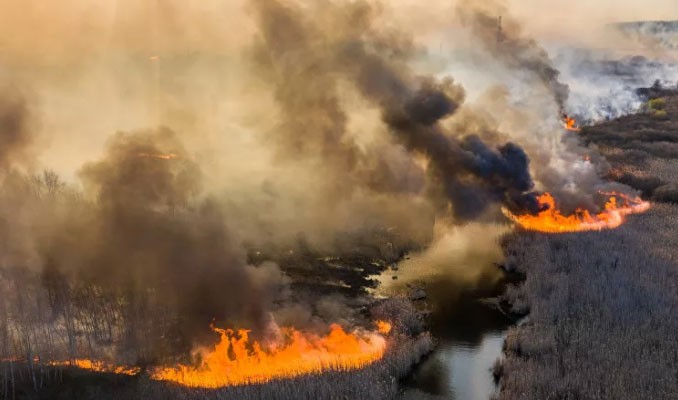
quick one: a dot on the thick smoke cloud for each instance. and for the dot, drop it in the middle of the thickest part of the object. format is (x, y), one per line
(313, 126)
(17, 129)
(153, 229)
(142, 241)
(468, 173)
(291, 122)
(603, 88)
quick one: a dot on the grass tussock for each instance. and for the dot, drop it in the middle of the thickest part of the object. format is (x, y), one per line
(657, 104)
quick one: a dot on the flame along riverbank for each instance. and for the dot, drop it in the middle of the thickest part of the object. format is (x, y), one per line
(551, 220)
(236, 360)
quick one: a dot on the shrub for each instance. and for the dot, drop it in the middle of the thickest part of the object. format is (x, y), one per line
(660, 114)
(656, 104)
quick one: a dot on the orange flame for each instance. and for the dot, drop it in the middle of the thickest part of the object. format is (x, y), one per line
(98, 366)
(570, 123)
(383, 327)
(236, 360)
(551, 220)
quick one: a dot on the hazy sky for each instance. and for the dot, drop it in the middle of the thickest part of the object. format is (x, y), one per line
(73, 51)
(561, 15)
(601, 9)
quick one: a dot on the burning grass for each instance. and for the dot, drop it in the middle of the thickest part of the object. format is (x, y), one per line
(357, 364)
(97, 366)
(601, 321)
(551, 220)
(237, 360)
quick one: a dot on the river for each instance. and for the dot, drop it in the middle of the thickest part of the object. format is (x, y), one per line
(470, 336)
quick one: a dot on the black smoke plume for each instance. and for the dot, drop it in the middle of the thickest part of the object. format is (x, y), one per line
(137, 263)
(467, 172)
(153, 229)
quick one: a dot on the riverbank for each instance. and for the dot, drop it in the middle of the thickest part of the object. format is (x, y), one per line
(601, 305)
(469, 334)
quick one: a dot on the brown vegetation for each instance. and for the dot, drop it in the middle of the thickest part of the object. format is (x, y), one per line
(33, 377)
(601, 305)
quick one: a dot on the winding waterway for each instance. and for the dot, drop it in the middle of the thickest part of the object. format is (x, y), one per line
(470, 337)
(468, 329)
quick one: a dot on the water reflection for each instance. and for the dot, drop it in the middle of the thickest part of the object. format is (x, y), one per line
(470, 336)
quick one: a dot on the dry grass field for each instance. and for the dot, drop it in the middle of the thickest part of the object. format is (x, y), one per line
(602, 305)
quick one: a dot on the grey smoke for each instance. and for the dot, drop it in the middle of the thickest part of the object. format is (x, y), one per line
(506, 41)
(142, 239)
(658, 33)
(154, 229)
(604, 87)
(468, 173)
(16, 125)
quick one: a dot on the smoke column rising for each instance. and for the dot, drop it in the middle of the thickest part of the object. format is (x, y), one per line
(293, 120)
(467, 172)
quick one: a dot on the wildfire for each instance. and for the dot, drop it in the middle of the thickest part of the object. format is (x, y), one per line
(98, 366)
(551, 220)
(236, 360)
(570, 123)
(383, 327)
(161, 156)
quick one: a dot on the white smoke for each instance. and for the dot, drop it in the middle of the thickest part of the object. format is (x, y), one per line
(603, 87)
(653, 33)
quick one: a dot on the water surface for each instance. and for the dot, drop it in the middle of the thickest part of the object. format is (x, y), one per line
(470, 337)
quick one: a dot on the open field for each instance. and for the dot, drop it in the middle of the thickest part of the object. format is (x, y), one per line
(602, 305)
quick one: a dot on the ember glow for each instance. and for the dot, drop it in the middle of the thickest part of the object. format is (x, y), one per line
(237, 360)
(97, 366)
(552, 220)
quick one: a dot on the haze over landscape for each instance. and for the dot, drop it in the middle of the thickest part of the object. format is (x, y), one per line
(335, 199)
